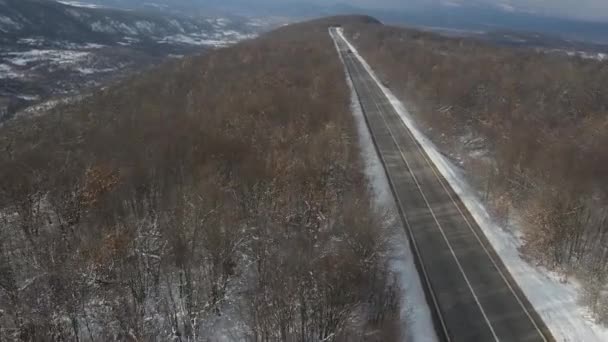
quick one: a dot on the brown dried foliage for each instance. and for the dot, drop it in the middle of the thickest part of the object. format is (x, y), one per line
(540, 116)
(224, 184)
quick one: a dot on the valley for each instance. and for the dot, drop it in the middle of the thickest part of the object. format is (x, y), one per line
(79, 48)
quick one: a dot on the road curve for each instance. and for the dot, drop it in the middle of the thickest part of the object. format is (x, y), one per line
(472, 295)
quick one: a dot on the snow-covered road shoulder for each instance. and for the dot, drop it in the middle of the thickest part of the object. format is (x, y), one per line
(415, 313)
(556, 302)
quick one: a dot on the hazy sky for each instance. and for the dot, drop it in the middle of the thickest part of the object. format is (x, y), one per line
(583, 9)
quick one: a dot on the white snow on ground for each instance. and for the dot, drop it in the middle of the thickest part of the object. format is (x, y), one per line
(42, 108)
(40, 41)
(90, 71)
(90, 46)
(218, 39)
(415, 312)
(176, 25)
(60, 57)
(33, 41)
(78, 4)
(7, 23)
(145, 27)
(129, 41)
(29, 97)
(588, 55)
(113, 26)
(98, 26)
(255, 22)
(219, 22)
(6, 71)
(193, 40)
(555, 301)
(598, 56)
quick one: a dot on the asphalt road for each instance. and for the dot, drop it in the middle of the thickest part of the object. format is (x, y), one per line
(471, 294)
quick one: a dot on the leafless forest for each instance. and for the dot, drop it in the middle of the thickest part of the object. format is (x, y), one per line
(531, 128)
(219, 196)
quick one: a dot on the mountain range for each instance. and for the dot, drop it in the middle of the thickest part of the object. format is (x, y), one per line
(467, 16)
(56, 49)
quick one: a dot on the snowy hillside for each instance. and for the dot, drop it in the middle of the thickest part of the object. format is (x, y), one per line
(50, 49)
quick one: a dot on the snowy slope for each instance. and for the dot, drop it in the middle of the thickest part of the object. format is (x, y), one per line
(554, 300)
(50, 49)
(75, 21)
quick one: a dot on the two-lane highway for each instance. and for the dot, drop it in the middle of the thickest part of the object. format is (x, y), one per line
(471, 293)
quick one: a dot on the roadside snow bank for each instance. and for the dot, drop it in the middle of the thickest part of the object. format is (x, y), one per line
(415, 313)
(556, 302)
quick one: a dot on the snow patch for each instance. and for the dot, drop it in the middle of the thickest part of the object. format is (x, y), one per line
(112, 26)
(145, 27)
(29, 97)
(126, 41)
(40, 42)
(61, 57)
(91, 71)
(78, 4)
(98, 26)
(514, 39)
(43, 108)
(598, 56)
(177, 25)
(8, 23)
(222, 22)
(257, 23)
(218, 39)
(92, 46)
(194, 40)
(555, 301)
(34, 41)
(590, 55)
(6, 71)
(124, 28)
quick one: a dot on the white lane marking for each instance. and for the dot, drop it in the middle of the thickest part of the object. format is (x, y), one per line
(504, 278)
(434, 217)
(442, 182)
(446, 334)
